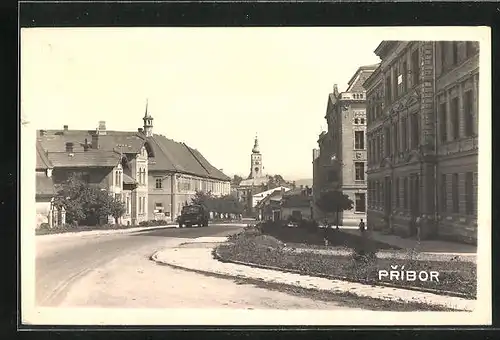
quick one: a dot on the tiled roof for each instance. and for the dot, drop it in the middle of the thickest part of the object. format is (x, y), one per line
(165, 154)
(42, 161)
(128, 180)
(44, 185)
(254, 181)
(90, 158)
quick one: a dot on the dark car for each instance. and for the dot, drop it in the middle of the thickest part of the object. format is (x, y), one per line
(193, 214)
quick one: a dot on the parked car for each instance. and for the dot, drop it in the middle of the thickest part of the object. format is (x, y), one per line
(193, 214)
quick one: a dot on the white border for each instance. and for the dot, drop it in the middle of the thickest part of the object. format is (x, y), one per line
(106, 316)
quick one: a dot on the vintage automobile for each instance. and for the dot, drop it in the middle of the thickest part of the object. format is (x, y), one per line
(193, 214)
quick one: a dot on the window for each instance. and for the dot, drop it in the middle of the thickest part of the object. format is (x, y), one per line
(359, 140)
(454, 193)
(468, 114)
(395, 81)
(443, 122)
(442, 45)
(455, 120)
(404, 77)
(388, 89)
(360, 202)
(454, 48)
(469, 193)
(404, 133)
(396, 196)
(359, 171)
(158, 183)
(415, 131)
(406, 189)
(387, 142)
(159, 208)
(396, 138)
(469, 49)
(415, 67)
(443, 193)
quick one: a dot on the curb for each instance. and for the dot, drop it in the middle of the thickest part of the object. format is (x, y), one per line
(97, 232)
(218, 257)
(259, 280)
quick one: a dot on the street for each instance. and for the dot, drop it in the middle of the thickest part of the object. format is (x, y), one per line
(116, 271)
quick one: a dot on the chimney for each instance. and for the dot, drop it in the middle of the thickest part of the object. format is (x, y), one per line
(69, 147)
(140, 130)
(102, 128)
(95, 141)
(65, 128)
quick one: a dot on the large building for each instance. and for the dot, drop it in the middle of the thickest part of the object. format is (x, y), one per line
(422, 138)
(340, 162)
(155, 175)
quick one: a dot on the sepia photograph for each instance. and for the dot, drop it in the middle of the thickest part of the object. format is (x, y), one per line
(255, 176)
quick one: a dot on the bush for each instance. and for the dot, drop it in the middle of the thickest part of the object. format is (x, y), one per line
(44, 226)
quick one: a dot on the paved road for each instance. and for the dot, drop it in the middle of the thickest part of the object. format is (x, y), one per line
(115, 271)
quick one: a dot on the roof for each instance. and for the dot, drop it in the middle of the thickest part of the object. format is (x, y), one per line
(254, 181)
(179, 157)
(44, 185)
(42, 161)
(165, 154)
(90, 158)
(357, 80)
(128, 180)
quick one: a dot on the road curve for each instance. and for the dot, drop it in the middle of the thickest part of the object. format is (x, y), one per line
(115, 271)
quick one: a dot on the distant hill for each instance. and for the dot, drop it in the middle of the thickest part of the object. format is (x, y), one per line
(304, 182)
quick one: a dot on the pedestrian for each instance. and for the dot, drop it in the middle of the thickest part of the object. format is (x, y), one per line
(362, 226)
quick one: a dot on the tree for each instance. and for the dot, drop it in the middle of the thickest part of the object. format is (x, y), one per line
(85, 203)
(236, 180)
(334, 202)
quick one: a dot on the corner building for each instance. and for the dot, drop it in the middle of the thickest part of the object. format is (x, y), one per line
(408, 112)
(340, 162)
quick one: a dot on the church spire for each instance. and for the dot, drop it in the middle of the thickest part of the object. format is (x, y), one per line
(148, 122)
(256, 145)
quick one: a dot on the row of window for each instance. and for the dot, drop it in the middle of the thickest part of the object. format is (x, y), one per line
(451, 56)
(407, 191)
(449, 117)
(194, 184)
(394, 138)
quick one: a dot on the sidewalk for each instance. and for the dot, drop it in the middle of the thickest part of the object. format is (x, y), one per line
(425, 246)
(104, 231)
(201, 259)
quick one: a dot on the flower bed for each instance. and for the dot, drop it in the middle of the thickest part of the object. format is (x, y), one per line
(455, 278)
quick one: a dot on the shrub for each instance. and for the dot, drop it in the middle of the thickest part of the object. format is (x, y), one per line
(44, 226)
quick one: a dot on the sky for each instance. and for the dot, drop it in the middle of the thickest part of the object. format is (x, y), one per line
(212, 88)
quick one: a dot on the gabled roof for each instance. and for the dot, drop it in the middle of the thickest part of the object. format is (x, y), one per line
(90, 158)
(42, 161)
(358, 79)
(165, 154)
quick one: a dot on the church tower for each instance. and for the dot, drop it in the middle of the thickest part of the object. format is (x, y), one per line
(148, 123)
(256, 161)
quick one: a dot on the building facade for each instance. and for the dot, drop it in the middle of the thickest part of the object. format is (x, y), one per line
(153, 175)
(406, 153)
(102, 159)
(340, 163)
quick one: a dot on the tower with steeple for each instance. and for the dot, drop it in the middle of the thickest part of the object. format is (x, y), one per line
(256, 160)
(148, 123)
